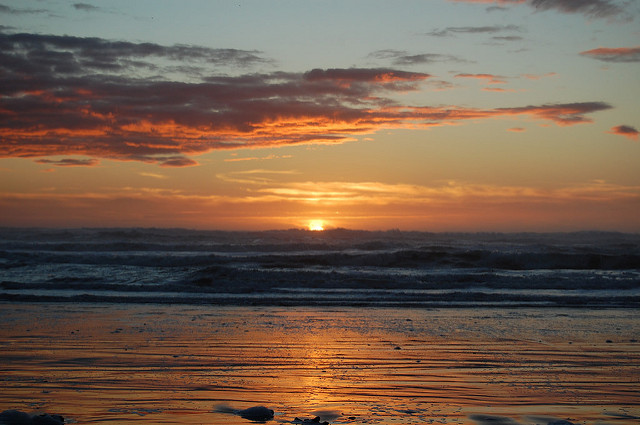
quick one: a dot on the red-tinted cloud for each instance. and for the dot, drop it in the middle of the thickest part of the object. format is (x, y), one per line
(626, 131)
(614, 54)
(561, 114)
(490, 78)
(76, 96)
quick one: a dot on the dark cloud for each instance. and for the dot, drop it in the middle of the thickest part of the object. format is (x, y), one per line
(177, 161)
(451, 31)
(403, 58)
(562, 113)
(614, 54)
(14, 11)
(86, 7)
(58, 96)
(367, 75)
(48, 54)
(626, 131)
(507, 38)
(590, 8)
(69, 162)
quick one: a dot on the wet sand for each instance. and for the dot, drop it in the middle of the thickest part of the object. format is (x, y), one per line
(123, 364)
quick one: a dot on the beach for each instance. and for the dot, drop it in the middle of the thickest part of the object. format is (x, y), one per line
(199, 364)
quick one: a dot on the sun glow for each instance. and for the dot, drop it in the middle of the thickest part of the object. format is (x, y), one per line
(316, 225)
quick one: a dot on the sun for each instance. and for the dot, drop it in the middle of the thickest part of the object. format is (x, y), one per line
(316, 225)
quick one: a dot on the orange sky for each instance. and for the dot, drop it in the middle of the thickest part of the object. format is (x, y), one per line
(440, 115)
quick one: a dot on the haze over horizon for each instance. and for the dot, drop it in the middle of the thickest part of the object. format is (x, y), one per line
(446, 115)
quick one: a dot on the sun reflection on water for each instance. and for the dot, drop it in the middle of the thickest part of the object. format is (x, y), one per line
(176, 364)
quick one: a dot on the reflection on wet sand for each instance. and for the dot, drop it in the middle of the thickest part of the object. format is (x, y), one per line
(197, 365)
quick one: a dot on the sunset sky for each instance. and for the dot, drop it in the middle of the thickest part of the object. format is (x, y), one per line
(436, 115)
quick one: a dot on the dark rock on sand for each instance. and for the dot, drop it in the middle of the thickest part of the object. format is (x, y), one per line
(314, 421)
(493, 420)
(16, 417)
(256, 414)
(562, 422)
(47, 420)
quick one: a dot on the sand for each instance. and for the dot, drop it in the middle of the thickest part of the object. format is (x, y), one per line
(123, 364)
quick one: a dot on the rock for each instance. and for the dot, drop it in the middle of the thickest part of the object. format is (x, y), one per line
(314, 421)
(256, 414)
(47, 420)
(16, 417)
(561, 422)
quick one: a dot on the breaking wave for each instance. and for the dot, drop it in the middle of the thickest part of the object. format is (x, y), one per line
(334, 267)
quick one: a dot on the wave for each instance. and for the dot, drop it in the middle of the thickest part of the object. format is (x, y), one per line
(297, 266)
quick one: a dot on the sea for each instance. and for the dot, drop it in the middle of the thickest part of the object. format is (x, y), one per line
(330, 268)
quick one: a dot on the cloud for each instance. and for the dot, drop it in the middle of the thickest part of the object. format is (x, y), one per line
(254, 177)
(491, 79)
(85, 96)
(489, 1)
(561, 114)
(450, 31)
(86, 7)
(69, 56)
(614, 54)
(539, 76)
(347, 77)
(177, 161)
(453, 205)
(70, 162)
(403, 58)
(255, 158)
(13, 11)
(498, 89)
(508, 38)
(153, 175)
(626, 131)
(589, 8)
(516, 129)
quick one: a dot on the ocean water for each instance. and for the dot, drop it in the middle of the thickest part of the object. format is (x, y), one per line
(336, 267)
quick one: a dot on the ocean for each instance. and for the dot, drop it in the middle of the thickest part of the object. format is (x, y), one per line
(336, 267)
(344, 327)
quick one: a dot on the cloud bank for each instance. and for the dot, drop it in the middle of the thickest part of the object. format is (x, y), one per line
(64, 95)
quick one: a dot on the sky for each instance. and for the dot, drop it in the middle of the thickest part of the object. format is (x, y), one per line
(432, 115)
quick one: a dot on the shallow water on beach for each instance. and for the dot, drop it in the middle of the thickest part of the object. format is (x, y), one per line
(105, 363)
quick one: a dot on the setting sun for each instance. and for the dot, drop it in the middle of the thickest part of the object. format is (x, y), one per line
(316, 225)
